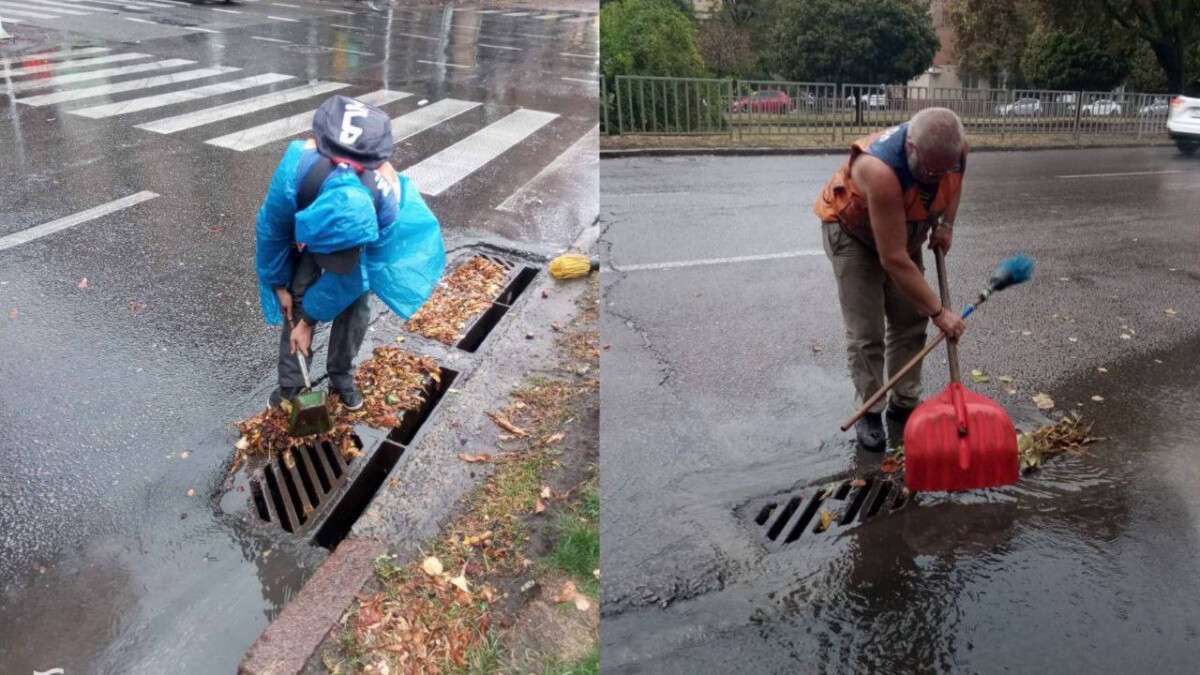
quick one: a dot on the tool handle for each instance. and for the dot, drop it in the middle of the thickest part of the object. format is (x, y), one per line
(303, 368)
(912, 363)
(944, 287)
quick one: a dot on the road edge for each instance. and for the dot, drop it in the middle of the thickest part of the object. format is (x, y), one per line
(732, 151)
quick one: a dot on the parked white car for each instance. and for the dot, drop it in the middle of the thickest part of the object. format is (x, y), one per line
(1102, 107)
(1022, 107)
(1183, 124)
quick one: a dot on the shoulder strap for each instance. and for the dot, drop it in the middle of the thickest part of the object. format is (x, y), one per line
(310, 186)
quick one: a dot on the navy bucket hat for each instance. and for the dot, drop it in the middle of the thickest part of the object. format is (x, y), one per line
(348, 128)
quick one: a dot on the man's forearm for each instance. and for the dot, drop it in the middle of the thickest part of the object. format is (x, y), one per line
(905, 273)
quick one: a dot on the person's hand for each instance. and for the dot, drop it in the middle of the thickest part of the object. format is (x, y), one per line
(941, 237)
(285, 302)
(950, 323)
(302, 337)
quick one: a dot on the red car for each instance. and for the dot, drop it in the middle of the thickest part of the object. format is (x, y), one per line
(767, 100)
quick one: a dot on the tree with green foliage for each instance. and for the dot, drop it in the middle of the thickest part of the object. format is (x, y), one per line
(1075, 60)
(990, 35)
(648, 37)
(867, 41)
(655, 38)
(727, 48)
(1169, 27)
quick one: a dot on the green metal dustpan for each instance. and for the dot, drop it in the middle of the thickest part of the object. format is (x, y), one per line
(309, 415)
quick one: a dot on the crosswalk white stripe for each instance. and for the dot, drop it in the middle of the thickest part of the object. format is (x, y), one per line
(579, 79)
(438, 173)
(226, 11)
(81, 63)
(269, 39)
(134, 4)
(430, 116)
(170, 125)
(11, 20)
(579, 56)
(419, 37)
(128, 85)
(488, 11)
(339, 11)
(39, 231)
(55, 56)
(171, 25)
(445, 63)
(60, 7)
(283, 4)
(517, 14)
(25, 14)
(58, 81)
(351, 51)
(283, 18)
(512, 49)
(551, 15)
(173, 97)
(585, 149)
(262, 134)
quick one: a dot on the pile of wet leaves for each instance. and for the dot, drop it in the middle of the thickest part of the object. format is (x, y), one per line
(1068, 435)
(392, 381)
(464, 294)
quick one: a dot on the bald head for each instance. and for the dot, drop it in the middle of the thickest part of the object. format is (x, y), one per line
(935, 140)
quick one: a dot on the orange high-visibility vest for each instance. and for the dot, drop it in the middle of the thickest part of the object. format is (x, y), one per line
(843, 202)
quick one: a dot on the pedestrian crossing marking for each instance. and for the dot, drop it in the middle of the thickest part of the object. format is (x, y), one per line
(445, 63)
(60, 7)
(5, 11)
(81, 63)
(435, 174)
(170, 125)
(413, 123)
(128, 85)
(171, 25)
(54, 56)
(95, 75)
(248, 139)
(283, 18)
(171, 98)
(269, 39)
(39, 231)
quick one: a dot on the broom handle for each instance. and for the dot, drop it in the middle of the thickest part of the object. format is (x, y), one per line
(944, 287)
(912, 363)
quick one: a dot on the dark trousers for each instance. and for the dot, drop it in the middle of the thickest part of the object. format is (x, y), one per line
(345, 337)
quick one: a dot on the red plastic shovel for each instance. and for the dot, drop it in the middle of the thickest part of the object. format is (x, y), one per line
(958, 440)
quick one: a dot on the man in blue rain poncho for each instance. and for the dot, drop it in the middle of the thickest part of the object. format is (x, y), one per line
(337, 223)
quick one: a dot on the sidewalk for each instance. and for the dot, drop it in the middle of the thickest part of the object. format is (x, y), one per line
(632, 145)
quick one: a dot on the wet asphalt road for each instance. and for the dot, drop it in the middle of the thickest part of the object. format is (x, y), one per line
(106, 563)
(725, 382)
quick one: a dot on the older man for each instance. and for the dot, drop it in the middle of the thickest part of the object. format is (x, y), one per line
(898, 187)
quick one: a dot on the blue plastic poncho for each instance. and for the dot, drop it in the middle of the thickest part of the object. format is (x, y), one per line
(403, 251)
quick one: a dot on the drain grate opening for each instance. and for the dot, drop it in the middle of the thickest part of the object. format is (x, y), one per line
(283, 506)
(352, 504)
(474, 337)
(805, 517)
(764, 513)
(520, 282)
(412, 420)
(519, 279)
(316, 459)
(260, 500)
(784, 516)
(839, 504)
(306, 478)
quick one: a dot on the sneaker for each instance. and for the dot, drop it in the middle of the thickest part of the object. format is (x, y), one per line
(870, 432)
(283, 393)
(352, 398)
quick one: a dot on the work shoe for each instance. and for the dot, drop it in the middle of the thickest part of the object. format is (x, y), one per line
(352, 398)
(870, 432)
(283, 393)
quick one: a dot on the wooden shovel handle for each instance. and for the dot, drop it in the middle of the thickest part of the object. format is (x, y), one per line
(944, 287)
(912, 363)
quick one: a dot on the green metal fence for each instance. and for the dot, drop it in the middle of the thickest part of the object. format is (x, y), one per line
(747, 108)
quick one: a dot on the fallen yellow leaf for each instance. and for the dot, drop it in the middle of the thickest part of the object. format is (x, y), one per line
(1043, 401)
(546, 492)
(539, 506)
(582, 603)
(471, 459)
(432, 566)
(460, 581)
(242, 444)
(567, 593)
(826, 520)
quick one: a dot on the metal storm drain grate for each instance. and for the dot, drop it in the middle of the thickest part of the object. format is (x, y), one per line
(785, 518)
(316, 489)
(519, 278)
